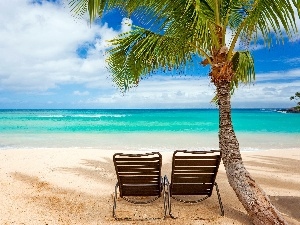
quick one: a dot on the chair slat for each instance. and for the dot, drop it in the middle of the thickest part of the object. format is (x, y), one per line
(194, 169)
(139, 180)
(141, 190)
(141, 163)
(138, 173)
(142, 168)
(138, 166)
(210, 162)
(184, 157)
(136, 159)
(191, 189)
(193, 179)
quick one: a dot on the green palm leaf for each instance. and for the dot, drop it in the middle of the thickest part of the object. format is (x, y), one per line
(243, 66)
(140, 52)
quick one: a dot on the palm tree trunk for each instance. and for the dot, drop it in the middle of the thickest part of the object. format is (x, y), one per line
(253, 198)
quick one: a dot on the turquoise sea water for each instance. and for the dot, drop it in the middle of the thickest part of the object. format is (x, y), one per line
(145, 129)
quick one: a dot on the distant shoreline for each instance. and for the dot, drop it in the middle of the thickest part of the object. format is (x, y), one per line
(290, 110)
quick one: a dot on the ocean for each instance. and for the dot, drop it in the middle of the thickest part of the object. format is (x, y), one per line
(145, 129)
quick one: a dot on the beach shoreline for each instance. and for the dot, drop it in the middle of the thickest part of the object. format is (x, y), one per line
(75, 186)
(145, 141)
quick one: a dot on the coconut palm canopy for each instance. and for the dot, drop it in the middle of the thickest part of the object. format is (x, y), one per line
(180, 30)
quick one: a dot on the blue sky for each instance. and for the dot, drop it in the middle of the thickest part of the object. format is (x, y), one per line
(48, 59)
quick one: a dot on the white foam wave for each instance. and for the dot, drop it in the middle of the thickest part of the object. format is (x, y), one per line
(50, 116)
(83, 116)
(99, 115)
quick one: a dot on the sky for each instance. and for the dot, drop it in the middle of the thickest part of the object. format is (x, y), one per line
(49, 59)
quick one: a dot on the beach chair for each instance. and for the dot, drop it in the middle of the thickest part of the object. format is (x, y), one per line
(193, 174)
(139, 177)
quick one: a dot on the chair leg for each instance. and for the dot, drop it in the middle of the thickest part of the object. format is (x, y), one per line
(170, 209)
(220, 200)
(168, 202)
(115, 202)
(165, 197)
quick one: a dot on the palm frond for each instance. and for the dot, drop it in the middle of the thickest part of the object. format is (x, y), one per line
(297, 5)
(78, 7)
(94, 8)
(243, 66)
(270, 18)
(140, 52)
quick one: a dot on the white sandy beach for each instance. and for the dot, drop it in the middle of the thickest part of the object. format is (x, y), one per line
(75, 186)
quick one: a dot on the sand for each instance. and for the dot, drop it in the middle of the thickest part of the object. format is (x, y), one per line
(75, 186)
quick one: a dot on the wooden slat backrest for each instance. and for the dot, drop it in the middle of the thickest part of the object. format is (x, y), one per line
(139, 174)
(194, 172)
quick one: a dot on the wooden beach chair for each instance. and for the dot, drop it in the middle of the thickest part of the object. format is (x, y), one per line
(139, 175)
(193, 174)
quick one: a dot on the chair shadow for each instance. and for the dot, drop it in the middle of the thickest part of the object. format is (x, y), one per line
(103, 170)
(62, 205)
(94, 169)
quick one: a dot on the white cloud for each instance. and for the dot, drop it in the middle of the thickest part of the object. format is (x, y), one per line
(38, 45)
(126, 25)
(159, 92)
(293, 61)
(197, 92)
(271, 89)
(293, 74)
(81, 93)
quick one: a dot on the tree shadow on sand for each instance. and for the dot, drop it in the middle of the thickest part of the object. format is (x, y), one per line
(272, 167)
(278, 173)
(276, 164)
(288, 205)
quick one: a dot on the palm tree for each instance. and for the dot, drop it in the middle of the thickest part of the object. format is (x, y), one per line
(296, 98)
(175, 33)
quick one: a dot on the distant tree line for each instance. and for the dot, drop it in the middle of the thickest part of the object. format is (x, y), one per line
(296, 98)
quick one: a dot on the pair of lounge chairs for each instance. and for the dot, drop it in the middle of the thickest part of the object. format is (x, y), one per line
(139, 177)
